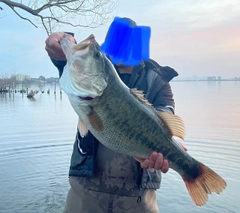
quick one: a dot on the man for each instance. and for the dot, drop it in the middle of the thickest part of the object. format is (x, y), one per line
(101, 180)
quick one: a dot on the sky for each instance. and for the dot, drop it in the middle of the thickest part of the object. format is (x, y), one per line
(196, 38)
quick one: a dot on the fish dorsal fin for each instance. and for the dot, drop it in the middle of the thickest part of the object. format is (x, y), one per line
(83, 130)
(140, 95)
(174, 123)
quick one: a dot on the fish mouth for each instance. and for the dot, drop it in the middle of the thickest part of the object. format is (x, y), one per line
(81, 49)
(84, 44)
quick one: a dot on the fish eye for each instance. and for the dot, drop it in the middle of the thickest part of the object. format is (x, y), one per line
(97, 54)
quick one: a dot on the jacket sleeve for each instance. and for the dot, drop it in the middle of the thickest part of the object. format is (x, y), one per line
(159, 92)
(60, 65)
(164, 98)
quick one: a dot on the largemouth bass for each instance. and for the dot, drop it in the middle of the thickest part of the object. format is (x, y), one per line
(122, 120)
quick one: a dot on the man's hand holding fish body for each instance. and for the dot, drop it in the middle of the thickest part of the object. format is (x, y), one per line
(54, 50)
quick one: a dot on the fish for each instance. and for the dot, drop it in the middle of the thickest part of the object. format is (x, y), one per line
(124, 121)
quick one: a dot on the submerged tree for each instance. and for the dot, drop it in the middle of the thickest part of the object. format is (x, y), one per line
(53, 13)
(7, 81)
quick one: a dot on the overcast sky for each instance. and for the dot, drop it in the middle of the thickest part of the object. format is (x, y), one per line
(196, 38)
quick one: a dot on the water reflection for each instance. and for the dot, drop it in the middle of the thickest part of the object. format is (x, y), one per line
(36, 138)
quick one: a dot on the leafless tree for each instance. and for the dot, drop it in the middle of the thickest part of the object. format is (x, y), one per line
(7, 82)
(53, 13)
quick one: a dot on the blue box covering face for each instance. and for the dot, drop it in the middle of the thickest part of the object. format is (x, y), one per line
(125, 44)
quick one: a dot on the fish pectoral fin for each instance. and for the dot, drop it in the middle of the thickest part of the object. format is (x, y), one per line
(207, 182)
(95, 121)
(174, 123)
(83, 130)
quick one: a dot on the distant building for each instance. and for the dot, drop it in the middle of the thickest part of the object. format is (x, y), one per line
(219, 78)
(20, 77)
(211, 78)
(51, 80)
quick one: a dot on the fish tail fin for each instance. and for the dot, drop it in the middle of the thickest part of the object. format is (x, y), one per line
(207, 182)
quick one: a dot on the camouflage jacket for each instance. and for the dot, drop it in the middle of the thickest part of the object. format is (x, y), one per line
(154, 81)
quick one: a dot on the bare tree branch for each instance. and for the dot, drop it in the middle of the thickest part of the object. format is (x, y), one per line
(23, 17)
(54, 13)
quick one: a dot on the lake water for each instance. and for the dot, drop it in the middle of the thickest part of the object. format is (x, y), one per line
(36, 138)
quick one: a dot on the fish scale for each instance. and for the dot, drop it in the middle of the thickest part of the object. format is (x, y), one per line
(131, 124)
